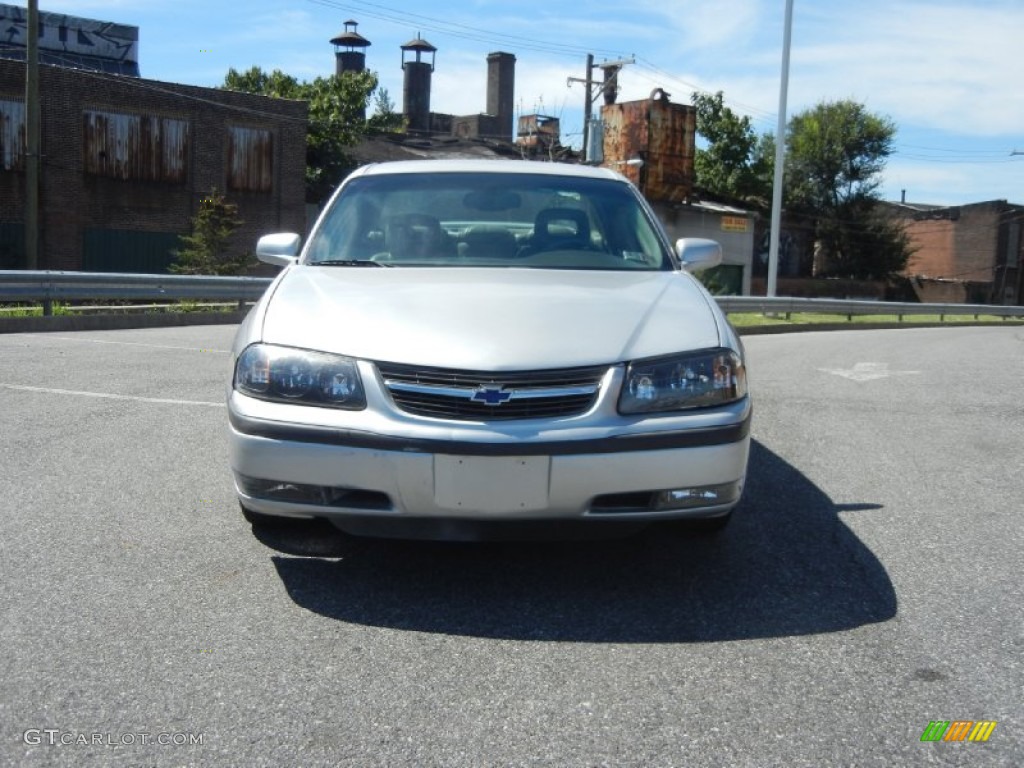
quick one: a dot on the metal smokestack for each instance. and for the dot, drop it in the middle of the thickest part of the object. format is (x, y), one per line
(501, 81)
(416, 93)
(349, 55)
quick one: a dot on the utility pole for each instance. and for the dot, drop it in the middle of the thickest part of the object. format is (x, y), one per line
(609, 86)
(32, 138)
(780, 158)
(588, 103)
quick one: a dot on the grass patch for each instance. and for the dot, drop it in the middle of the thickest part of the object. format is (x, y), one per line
(115, 308)
(21, 310)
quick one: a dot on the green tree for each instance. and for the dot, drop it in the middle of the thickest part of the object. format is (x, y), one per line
(861, 241)
(735, 162)
(337, 109)
(836, 152)
(337, 121)
(205, 251)
(255, 80)
(385, 119)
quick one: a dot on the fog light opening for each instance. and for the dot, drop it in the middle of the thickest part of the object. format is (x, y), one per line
(319, 495)
(697, 496)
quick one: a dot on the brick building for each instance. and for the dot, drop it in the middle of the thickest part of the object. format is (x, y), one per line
(125, 162)
(971, 252)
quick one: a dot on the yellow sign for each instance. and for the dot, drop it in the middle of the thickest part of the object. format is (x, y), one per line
(734, 223)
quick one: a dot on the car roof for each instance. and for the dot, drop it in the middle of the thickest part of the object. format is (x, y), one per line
(502, 166)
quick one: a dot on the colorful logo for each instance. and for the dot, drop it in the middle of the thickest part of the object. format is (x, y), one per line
(958, 730)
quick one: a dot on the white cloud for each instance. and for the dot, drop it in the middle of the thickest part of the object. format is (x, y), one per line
(682, 28)
(953, 183)
(954, 68)
(914, 178)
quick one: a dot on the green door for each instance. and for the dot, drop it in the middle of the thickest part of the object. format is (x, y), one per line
(120, 250)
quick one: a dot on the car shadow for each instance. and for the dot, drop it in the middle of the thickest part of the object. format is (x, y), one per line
(786, 565)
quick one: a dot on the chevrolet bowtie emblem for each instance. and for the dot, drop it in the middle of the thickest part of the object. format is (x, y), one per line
(491, 395)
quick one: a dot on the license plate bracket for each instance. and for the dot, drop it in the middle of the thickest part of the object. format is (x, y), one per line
(496, 484)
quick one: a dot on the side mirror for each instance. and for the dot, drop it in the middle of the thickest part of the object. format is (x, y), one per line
(281, 249)
(696, 253)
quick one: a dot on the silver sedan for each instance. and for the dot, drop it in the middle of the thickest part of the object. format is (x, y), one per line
(483, 343)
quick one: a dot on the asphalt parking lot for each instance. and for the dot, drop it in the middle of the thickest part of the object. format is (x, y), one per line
(869, 584)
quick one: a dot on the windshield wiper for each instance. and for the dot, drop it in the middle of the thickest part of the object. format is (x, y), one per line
(347, 263)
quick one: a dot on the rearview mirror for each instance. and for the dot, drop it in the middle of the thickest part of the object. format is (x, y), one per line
(697, 253)
(280, 249)
(492, 200)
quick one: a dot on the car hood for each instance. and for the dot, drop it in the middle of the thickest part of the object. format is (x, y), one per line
(489, 318)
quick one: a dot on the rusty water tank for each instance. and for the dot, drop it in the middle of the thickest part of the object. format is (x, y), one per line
(652, 143)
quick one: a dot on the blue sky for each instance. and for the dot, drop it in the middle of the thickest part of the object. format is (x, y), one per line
(949, 73)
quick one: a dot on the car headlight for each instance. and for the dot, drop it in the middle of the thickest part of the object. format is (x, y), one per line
(289, 375)
(696, 380)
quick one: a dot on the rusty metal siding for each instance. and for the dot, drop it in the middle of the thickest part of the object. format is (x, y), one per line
(663, 135)
(174, 142)
(250, 159)
(135, 147)
(670, 158)
(12, 135)
(625, 138)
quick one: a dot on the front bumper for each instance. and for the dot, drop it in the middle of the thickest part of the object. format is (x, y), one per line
(608, 471)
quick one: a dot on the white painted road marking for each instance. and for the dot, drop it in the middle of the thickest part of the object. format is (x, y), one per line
(110, 396)
(50, 337)
(867, 372)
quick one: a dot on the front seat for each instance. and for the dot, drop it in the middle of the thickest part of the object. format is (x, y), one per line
(560, 229)
(414, 236)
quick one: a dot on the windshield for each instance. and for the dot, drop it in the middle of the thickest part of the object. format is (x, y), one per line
(488, 220)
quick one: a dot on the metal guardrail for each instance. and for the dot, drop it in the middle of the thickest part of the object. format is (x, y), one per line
(47, 287)
(789, 305)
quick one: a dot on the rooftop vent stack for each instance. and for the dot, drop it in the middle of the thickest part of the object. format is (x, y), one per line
(501, 81)
(416, 93)
(349, 53)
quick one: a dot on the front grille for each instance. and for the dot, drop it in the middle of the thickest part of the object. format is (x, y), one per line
(446, 394)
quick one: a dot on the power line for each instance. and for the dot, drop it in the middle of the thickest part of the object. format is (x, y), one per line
(456, 29)
(957, 150)
(955, 160)
(754, 112)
